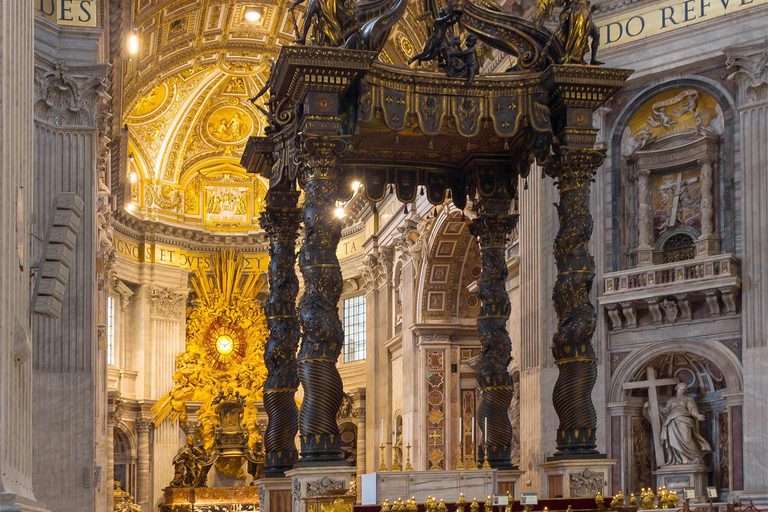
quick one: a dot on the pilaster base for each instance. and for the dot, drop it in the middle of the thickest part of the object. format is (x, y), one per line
(645, 257)
(577, 478)
(310, 483)
(506, 482)
(274, 494)
(9, 501)
(684, 476)
(707, 246)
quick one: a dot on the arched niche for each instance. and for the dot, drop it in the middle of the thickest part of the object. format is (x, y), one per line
(125, 453)
(676, 164)
(714, 380)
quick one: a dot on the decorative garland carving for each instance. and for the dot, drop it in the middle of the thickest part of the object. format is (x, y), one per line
(573, 169)
(492, 229)
(281, 219)
(318, 306)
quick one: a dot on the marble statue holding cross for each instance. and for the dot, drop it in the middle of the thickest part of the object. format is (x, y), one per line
(675, 425)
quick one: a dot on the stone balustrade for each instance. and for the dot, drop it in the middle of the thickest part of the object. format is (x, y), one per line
(670, 291)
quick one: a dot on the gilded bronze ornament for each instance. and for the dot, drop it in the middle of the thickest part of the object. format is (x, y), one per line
(467, 134)
(323, 335)
(573, 169)
(281, 219)
(492, 227)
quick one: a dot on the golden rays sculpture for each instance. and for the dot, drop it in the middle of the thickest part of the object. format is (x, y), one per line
(226, 333)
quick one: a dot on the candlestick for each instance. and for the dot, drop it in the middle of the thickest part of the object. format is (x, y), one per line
(408, 466)
(382, 431)
(383, 465)
(485, 457)
(485, 434)
(460, 464)
(473, 430)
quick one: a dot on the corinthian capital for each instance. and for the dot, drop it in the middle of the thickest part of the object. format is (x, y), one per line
(749, 65)
(64, 98)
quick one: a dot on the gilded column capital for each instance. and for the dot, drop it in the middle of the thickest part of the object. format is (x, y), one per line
(321, 155)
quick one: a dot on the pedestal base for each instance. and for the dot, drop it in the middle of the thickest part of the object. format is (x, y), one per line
(205, 499)
(506, 482)
(310, 482)
(577, 478)
(445, 485)
(684, 476)
(274, 494)
(9, 501)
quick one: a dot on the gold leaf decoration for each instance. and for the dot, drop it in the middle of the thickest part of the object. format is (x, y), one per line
(226, 333)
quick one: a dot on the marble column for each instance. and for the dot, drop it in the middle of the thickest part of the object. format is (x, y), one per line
(492, 226)
(748, 66)
(708, 243)
(16, 210)
(113, 418)
(644, 219)
(142, 464)
(281, 220)
(318, 307)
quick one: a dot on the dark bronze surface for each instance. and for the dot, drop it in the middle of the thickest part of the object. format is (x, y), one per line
(280, 220)
(318, 307)
(492, 227)
(336, 115)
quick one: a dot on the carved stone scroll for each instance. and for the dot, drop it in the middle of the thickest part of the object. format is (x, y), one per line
(280, 220)
(492, 227)
(318, 306)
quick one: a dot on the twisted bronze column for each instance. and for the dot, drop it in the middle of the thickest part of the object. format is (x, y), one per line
(573, 170)
(318, 307)
(491, 227)
(280, 220)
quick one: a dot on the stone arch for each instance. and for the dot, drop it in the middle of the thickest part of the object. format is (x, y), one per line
(710, 350)
(720, 402)
(726, 217)
(447, 270)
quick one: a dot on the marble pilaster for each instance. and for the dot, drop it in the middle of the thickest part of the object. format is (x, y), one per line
(16, 210)
(70, 105)
(748, 66)
(142, 465)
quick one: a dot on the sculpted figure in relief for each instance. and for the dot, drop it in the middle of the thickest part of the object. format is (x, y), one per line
(680, 430)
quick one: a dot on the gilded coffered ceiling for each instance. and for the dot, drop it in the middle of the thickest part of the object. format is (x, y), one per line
(186, 93)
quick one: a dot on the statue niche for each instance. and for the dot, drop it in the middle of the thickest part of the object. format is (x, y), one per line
(674, 405)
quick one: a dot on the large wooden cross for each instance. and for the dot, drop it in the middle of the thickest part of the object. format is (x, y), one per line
(651, 383)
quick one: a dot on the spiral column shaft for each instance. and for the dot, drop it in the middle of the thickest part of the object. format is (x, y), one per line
(492, 227)
(323, 334)
(280, 220)
(574, 354)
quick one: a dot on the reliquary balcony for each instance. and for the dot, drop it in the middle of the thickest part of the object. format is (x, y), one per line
(670, 293)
